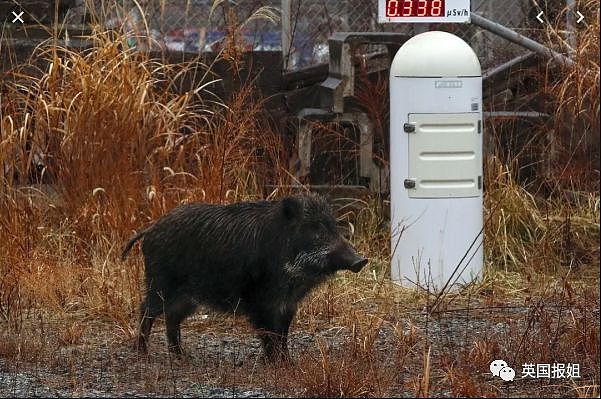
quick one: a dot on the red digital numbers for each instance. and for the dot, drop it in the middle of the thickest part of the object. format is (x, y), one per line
(415, 8)
(392, 7)
(407, 8)
(437, 8)
(422, 8)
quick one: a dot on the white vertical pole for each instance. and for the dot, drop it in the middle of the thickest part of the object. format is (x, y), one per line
(286, 31)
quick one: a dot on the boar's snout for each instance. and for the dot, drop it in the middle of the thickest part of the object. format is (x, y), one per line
(345, 258)
(358, 265)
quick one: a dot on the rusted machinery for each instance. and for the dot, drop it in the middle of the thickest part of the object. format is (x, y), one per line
(333, 105)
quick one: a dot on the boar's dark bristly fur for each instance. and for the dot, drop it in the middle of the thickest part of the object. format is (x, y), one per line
(258, 259)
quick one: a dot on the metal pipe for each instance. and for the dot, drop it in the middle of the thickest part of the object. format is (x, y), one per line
(286, 31)
(506, 65)
(521, 40)
(571, 30)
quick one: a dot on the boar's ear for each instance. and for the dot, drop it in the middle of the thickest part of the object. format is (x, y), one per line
(292, 208)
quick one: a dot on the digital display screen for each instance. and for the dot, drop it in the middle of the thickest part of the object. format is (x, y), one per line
(415, 8)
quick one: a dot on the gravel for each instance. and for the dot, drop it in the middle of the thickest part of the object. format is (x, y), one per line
(28, 384)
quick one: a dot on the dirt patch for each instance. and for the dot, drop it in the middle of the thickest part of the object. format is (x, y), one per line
(223, 357)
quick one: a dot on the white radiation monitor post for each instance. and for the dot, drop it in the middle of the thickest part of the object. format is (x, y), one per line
(435, 150)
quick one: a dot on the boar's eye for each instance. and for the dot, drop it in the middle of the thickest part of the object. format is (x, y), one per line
(317, 229)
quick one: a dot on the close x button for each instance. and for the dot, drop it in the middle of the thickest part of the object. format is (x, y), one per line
(17, 16)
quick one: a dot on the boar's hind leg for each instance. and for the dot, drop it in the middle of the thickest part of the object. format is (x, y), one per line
(150, 308)
(175, 313)
(273, 327)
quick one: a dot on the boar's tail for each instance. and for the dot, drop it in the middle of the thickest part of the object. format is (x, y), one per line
(131, 243)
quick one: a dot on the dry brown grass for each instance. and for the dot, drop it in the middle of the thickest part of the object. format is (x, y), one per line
(574, 129)
(117, 159)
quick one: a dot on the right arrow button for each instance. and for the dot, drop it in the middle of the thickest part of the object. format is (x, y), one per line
(580, 17)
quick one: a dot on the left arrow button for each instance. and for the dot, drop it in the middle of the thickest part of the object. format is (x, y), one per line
(538, 16)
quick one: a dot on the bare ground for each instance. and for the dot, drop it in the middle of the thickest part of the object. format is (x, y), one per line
(50, 357)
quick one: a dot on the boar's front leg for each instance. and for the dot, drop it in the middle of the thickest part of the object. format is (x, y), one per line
(273, 325)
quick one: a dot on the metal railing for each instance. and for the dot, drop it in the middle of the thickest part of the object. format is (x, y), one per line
(305, 26)
(313, 21)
